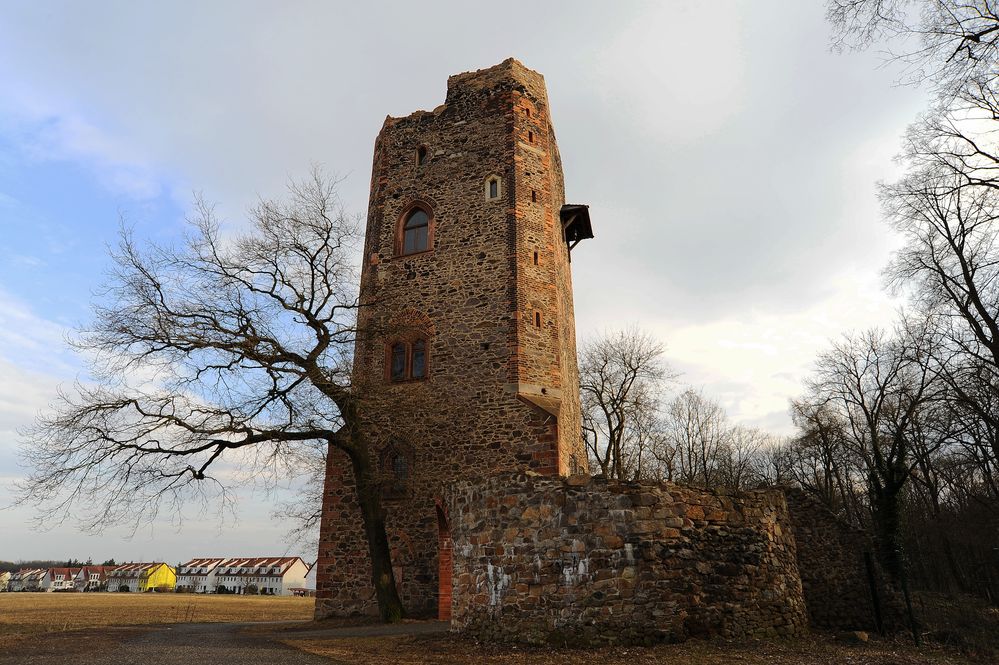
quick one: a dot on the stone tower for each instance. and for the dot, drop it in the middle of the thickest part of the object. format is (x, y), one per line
(467, 366)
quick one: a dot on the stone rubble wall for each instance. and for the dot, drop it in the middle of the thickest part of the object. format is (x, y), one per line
(581, 561)
(834, 575)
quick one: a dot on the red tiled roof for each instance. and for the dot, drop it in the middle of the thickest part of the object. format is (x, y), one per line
(69, 573)
(281, 562)
(209, 563)
(94, 571)
(132, 569)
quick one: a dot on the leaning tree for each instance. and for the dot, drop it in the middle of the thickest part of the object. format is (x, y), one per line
(211, 361)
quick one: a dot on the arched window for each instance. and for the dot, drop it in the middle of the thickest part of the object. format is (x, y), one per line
(408, 360)
(416, 232)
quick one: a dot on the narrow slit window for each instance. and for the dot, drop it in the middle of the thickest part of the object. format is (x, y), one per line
(421, 155)
(493, 188)
(534, 196)
(530, 137)
(537, 319)
(535, 258)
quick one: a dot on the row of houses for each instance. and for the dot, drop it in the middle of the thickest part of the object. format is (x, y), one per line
(279, 576)
(125, 577)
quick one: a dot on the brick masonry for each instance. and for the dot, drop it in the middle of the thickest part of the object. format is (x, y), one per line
(493, 298)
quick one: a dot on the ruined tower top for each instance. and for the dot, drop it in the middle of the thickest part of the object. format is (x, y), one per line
(509, 73)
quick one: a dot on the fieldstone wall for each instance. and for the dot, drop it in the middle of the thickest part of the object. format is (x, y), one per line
(835, 578)
(541, 559)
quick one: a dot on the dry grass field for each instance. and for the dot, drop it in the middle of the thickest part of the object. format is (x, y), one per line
(25, 614)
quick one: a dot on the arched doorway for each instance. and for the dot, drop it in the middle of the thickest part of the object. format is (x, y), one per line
(445, 549)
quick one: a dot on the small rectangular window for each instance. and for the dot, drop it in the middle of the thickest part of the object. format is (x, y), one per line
(535, 258)
(534, 196)
(419, 359)
(493, 189)
(400, 467)
(398, 362)
(530, 137)
(415, 240)
(537, 319)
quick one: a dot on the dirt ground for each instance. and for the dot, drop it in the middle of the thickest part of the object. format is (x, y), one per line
(817, 649)
(167, 629)
(26, 614)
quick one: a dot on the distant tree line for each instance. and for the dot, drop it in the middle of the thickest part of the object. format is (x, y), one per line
(14, 566)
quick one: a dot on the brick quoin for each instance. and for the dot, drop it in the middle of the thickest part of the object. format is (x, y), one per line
(491, 297)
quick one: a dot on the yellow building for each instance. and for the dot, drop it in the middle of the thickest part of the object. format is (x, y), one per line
(142, 577)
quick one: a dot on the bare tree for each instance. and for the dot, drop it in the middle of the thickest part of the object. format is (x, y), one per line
(303, 511)
(878, 385)
(696, 444)
(697, 430)
(743, 456)
(944, 42)
(620, 376)
(210, 358)
(881, 387)
(820, 461)
(946, 209)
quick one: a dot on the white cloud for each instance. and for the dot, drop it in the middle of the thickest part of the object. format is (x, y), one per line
(756, 362)
(34, 363)
(645, 71)
(31, 342)
(47, 134)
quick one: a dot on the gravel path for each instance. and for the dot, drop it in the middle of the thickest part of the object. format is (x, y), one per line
(189, 644)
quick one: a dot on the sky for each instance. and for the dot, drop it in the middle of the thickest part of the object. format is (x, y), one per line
(729, 159)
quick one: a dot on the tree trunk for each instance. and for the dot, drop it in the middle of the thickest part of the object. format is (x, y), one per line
(369, 499)
(888, 524)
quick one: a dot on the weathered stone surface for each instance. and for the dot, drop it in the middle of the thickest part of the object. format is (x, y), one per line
(492, 297)
(608, 576)
(834, 573)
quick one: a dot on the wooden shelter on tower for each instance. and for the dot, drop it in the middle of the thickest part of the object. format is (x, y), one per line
(467, 365)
